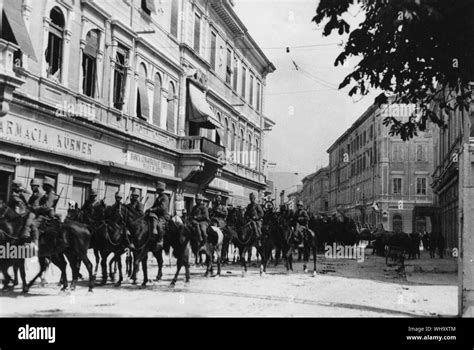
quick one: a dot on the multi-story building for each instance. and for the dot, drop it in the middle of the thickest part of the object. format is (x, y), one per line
(377, 178)
(314, 193)
(114, 95)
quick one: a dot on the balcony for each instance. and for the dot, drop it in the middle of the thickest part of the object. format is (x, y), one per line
(201, 159)
(199, 144)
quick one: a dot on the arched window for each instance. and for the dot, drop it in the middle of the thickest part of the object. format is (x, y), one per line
(157, 101)
(142, 96)
(232, 136)
(171, 108)
(89, 63)
(54, 50)
(257, 155)
(242, 147)
(250, 158)
(397, 223)
(227, 135)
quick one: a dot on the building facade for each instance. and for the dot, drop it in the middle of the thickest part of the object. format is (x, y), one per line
(314, 193)
(377, 178)
(115, 95)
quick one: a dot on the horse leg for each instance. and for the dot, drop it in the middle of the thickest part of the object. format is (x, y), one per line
(83, 257)
(145, 269)
(111, 268)
(75, 263)
(118, 258)
(178, 268)
(97, 260)
(23, 276)
(15, 275)
(219, 261)
(43, 265)
(159, 258)
(103, 265)
(186, 264)
(6, 278)
(61, 263)
(208, 264)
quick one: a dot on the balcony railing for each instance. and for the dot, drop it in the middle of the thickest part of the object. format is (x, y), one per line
(199, 144)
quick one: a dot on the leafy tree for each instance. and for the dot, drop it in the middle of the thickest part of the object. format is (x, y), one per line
(419, 51)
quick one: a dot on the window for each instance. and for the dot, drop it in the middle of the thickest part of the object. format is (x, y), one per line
(174, 18)
(259, 102)
(250, 148)
(197, 33)
(54, 50)
(213, 50)
(171, 108)
(157, 101)
(148, 6)
(420, 153)
(397, 186)
(365, 138)
(371, 133)
(80, 191)
(235, 72)
(421, 185)
(142, 107)
(110, 191)
(244, 82)
(251, 90)
(242, 142)
(120, 74)
(397, 152)
(232, 135)
(89, 63)
(228, 67)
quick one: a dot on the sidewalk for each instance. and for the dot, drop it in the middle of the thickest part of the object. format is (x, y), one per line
(435, 265)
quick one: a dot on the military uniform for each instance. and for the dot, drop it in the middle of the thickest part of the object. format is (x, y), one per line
(19, 204)
(46, 204)
(90, 209)
(136, 205)
(219, 215)
(34, 200)
(300, 221)
(254, 213)
(159, 213)
(200, 220)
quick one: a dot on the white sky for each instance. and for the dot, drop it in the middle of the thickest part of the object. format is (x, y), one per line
(298, 142)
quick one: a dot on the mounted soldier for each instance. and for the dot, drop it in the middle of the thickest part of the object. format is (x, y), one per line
(47, 202)
(254, 214)
(33, 201)
(200, 218)
(300, 219)
(159, 213)
(116, 214)
(90, 208)
(218, 212)
(135, 203)
(19, 205)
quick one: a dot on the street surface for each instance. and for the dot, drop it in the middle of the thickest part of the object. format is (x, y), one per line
(342, 288)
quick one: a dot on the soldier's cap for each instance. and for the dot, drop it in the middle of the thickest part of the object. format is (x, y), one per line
(35, 182)
(252, 195)
(135, 192)
(160, 186)
(119, 195)
(17, 184)
(299, 203)
(93, 193)
(48, 181)
(199, 196)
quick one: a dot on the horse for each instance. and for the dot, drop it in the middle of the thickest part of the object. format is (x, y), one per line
(245, 239)
(11, 225)
(142, 238)
(179, 236)
(273, 234)
(57, 240)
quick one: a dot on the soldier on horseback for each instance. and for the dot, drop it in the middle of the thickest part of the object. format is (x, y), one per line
(200, 218)
(300, 220)
(19, 205)
(33, 201)
(159, 213)
(135, 203)
(219, 212)
(47, 202)
(254, 214)
(115, 214)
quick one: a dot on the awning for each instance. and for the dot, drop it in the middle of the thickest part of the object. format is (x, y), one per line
(199, 110)
(12, 10)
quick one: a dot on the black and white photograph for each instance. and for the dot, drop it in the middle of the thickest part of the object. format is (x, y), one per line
(237, 158)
